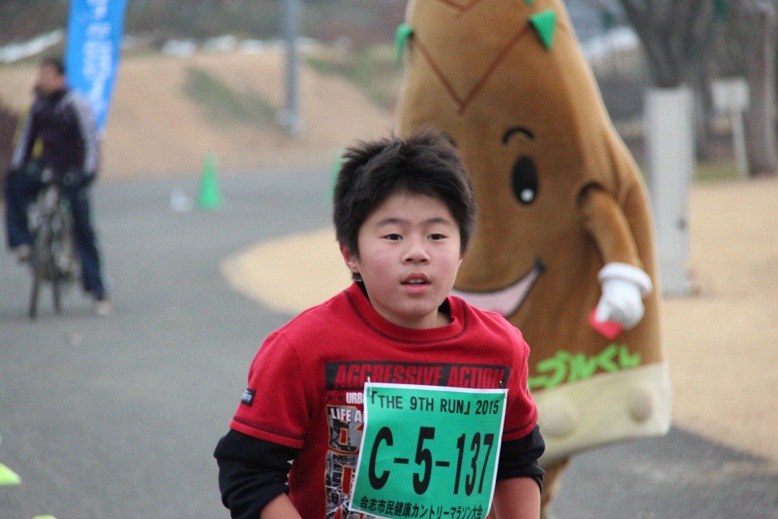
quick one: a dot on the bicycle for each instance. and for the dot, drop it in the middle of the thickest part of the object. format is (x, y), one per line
(53, 258)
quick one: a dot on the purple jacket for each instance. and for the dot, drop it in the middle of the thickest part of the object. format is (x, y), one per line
(64, 123)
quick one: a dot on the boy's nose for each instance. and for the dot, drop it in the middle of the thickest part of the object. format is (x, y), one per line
(416, 252)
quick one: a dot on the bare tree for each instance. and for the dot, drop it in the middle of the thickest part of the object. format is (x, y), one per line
(676, 38)
(759, 20)
(678, 42)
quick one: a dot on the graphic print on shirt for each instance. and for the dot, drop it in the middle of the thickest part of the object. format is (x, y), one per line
(345, 435)
(344, 383)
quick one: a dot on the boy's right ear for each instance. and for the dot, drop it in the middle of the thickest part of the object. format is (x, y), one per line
(349, 258)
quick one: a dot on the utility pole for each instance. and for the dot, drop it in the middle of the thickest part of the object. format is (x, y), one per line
(290, 116)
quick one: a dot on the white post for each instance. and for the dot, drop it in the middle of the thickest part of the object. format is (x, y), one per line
(739, 142)
(731, 96)
(290, 116)
(670, 153)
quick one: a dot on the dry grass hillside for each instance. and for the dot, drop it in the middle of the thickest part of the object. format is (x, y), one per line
(155, 128)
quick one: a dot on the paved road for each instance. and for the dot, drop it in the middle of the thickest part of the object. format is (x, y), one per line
(110, 418)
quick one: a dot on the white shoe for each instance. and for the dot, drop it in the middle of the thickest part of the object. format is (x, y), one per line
(103, 307)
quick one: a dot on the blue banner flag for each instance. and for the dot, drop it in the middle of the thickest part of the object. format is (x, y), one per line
(93, 49)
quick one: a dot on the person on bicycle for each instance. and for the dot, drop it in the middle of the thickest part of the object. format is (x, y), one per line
(63, 123)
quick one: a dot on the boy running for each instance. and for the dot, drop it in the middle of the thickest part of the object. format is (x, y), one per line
(404, 214)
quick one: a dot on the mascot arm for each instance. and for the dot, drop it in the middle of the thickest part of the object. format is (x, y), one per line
(624, 283)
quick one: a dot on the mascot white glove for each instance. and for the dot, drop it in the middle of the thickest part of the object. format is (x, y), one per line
(623, 288)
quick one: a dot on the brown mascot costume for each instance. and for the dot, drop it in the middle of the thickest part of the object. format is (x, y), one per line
(564, 246)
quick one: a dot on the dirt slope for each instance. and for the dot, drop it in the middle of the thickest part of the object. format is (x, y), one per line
(154, 129)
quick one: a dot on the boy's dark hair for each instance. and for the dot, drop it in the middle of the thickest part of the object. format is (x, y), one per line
(425, 163)
(56, 62)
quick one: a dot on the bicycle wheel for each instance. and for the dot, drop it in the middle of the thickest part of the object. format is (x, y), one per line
(40, 262)
(63, 251)
(56, 285)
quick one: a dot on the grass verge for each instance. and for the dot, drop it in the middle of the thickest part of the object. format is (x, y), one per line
(223, 104)
(372, 70)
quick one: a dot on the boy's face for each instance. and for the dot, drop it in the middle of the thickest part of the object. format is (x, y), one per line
(409, 254)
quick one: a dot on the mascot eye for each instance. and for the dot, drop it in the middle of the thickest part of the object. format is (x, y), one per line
(525, 180)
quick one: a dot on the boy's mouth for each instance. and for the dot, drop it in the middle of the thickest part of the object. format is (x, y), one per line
(416, 280)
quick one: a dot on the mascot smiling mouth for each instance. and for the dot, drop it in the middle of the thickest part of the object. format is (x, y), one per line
(505, 301)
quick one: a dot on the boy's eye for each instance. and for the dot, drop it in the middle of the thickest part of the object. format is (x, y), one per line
(393, 237)
(437, 236)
